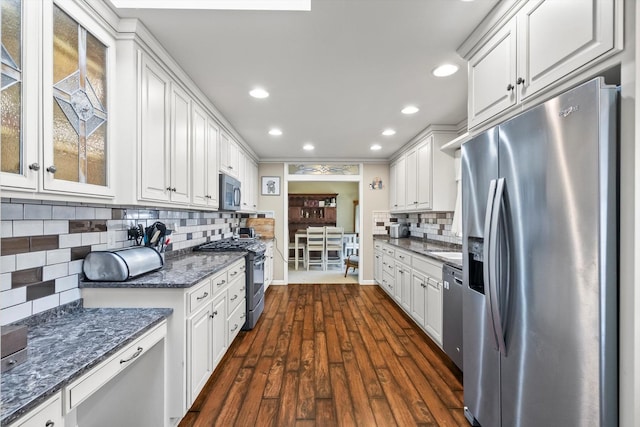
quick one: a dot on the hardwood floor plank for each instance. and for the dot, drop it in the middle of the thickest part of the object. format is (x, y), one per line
(250, 407)
(234, 399)
(257, 346)
(391, 337)
(318, 316)
(272, 335)
(308, 326)
(343, 402)
(382, 412)
(274, 378)
(268, 413)
(334, 347)
(218, 385)
(418, 407)
(323, 383)
(325, 413)
(341, 329)
(306, 405)
(364, 366)
(295, 347)
(399, 407)
(441, 413)
(333, 297)
(358, 391)
(189, 419)
(458, 416)
(287, 408)
(445, 367)
(440, 385)
(371, 345)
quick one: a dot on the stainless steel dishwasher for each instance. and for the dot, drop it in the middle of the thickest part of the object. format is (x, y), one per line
(452, 313)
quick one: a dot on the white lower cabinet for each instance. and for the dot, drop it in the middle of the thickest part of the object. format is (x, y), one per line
(200, 343)
(48, 414)
(433, 320)
(415, 283)
(199, 331)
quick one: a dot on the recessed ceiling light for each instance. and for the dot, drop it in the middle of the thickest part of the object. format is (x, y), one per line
(275, 132)
(410, 109)
(445, 70)
(375, 147)
(259, 93)
(388, 132)
(308, 147)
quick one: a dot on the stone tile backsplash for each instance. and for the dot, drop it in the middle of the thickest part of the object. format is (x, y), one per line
(431, 226)
(43, 246)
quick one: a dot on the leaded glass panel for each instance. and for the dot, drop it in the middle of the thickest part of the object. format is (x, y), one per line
(11, 92)
(326, 169)
(79, 91)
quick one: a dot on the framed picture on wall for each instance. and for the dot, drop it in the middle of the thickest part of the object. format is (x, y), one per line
(270, 186)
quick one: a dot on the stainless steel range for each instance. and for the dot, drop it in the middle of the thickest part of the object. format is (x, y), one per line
(254, 272)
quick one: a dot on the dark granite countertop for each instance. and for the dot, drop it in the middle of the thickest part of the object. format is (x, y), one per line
(428, 248)
(182, 271)
(64, 347)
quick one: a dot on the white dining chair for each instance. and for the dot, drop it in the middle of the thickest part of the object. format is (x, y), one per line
(315, 247)
(350, 244)
(333, 246)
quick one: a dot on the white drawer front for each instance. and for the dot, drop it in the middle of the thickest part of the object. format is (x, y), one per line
(219, 283)
(428, 266)
(237, 319)
(403, 257)
(48, 414)
(235, 271)
(237, 292)
(200, 295)
(86, 385)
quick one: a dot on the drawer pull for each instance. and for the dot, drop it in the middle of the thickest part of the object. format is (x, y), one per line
(206, 294)
(214, 314)
(233, 274)
(234, 327)
(221, 283)
(133, 356)
(243, 288)
(243, 315)
(49, 423)
(235, 297)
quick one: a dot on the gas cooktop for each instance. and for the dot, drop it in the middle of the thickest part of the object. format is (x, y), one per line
(250, 245)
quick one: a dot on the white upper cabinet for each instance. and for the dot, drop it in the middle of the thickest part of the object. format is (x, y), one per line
(492, 76)
(155, 142)
(423, 177)
(180, 145)
(557, 37)
(419, 174)
(205, 159)
(543, 43)
(58, 80)
(229, 155)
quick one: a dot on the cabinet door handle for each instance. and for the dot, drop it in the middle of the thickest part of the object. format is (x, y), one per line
(520, 81)
(133, 356)
(52, 169)
(510, 87)
(234, 327)
(34, 166)
(233, 298)
(49, 423)
(214, 314)
(233, 274)
(206, 294)
(243, 315)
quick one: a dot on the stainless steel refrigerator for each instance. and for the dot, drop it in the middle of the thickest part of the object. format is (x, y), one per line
(540, 265)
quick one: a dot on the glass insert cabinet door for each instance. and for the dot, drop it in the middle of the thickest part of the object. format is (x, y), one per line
(77, 126)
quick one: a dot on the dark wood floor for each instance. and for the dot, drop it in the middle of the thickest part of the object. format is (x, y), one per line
(331, 355)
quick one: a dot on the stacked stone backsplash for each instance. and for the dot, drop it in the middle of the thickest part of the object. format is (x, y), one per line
(434, 226)
(44, 244)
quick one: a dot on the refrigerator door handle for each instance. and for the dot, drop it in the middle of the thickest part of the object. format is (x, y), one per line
(488, 256)
(496, 316)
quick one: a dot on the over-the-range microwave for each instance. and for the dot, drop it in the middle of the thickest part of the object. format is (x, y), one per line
(230, 193)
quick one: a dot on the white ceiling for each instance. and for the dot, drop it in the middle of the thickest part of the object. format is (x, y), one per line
(338, 75)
